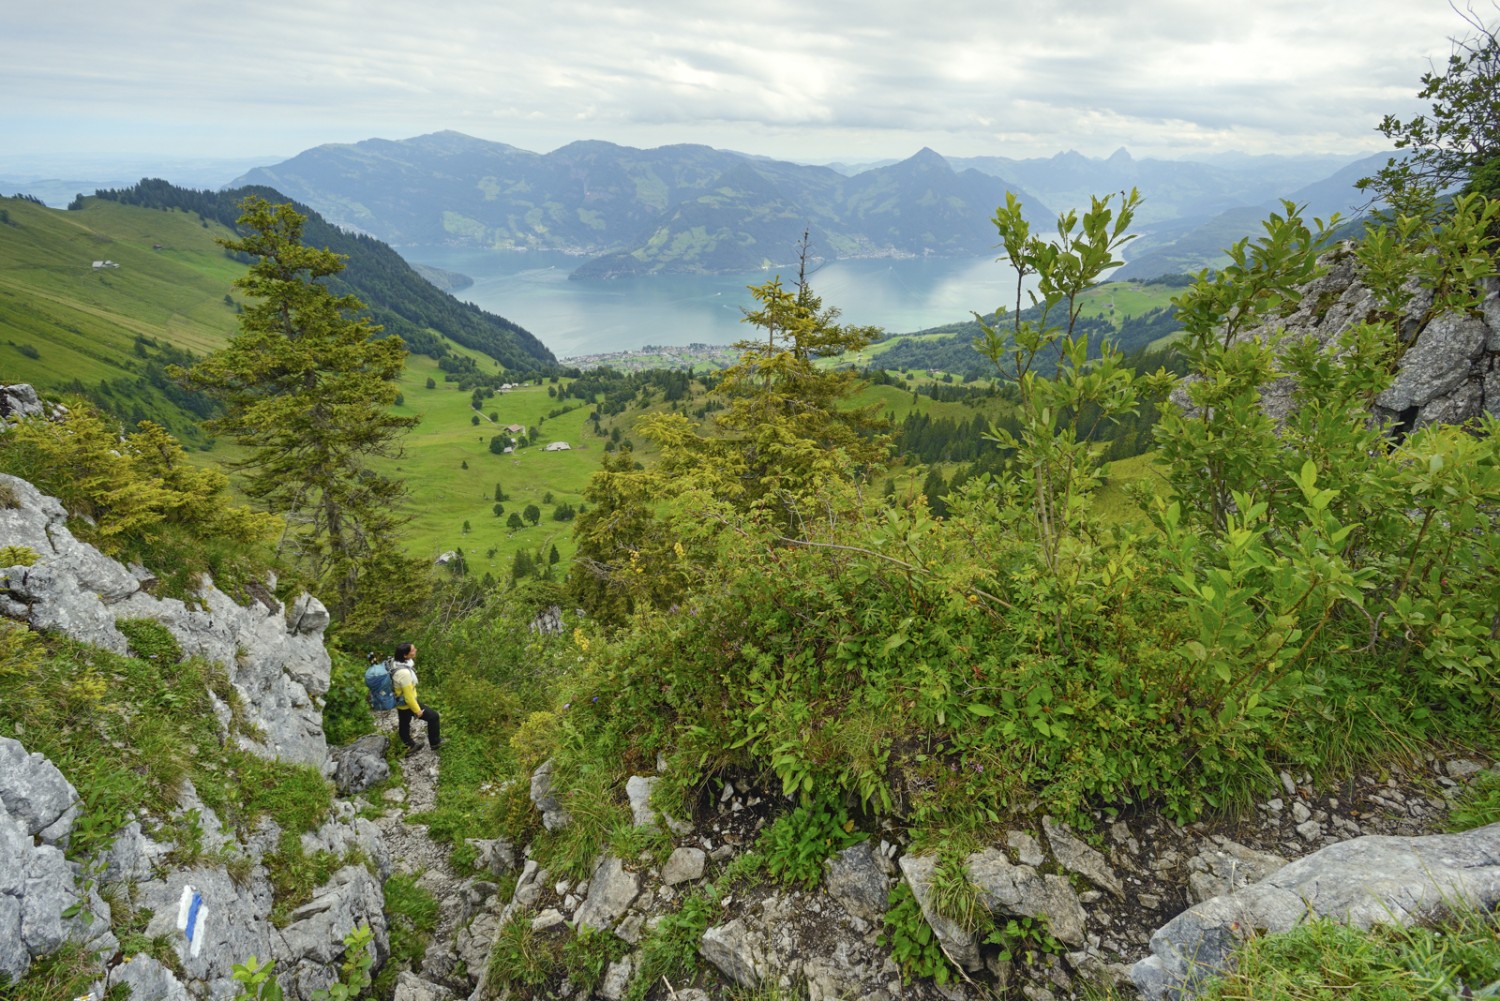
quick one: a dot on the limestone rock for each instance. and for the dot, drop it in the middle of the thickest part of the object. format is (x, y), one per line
(554, 817)
(611, 891)
(310, 946)
(685, 864)
(638, 791)
(1224, 866)
(1020, 889)
(616, 979)
(1075, 856)
(19, 401)
(359, 765)
(410, 987)
(35, 793)
(38, 885)
(1367, 881)
(854, 878)
(738, 951)
(147, 978)
(76, 590)
(961, 944)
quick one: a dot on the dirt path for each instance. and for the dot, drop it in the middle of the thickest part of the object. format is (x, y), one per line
(413, 852)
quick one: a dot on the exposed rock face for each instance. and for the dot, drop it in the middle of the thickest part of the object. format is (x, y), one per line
(1449, 370)
(275, 658)
(37, 883)
(1363, 882)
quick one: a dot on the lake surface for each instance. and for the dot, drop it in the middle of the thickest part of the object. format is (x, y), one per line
(597, 316)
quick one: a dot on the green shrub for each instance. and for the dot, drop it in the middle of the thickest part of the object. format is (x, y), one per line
(412, 915)
(346, 708)
(587, 954)
(911, 941)
(798, 843)
(672, 949)
(1479, 804)
(18, 556)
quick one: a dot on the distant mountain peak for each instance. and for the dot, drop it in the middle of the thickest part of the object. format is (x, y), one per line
(1121, 155)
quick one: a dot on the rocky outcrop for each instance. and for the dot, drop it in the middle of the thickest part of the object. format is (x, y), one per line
(1449, 371)
(45, 900)
(275, 659)
(275, 656)
(1363, 882)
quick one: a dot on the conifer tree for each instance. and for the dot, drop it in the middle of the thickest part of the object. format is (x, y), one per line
(307, 389)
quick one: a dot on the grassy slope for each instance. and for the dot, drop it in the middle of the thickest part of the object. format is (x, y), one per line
(83, 321)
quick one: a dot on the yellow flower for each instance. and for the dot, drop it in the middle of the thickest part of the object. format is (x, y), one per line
(580, 640)
(677, 548)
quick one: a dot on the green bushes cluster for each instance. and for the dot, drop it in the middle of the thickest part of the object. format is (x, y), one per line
(137, 497)
(1304, 594)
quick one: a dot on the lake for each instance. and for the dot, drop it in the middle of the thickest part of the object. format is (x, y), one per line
(598, 316)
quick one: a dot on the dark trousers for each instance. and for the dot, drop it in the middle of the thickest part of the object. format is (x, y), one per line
(404, 716)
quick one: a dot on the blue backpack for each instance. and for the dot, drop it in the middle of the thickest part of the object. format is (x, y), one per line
(378, 681)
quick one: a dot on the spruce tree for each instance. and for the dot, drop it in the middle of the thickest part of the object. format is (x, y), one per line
(307, 389)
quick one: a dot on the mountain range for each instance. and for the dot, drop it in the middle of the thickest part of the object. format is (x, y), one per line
(672, 209)
(687, 208)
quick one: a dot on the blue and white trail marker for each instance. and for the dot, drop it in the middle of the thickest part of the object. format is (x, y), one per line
(192, 912)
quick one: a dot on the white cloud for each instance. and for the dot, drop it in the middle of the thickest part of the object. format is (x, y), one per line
(794, 79)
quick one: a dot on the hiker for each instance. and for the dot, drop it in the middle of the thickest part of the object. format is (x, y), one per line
(405, 682)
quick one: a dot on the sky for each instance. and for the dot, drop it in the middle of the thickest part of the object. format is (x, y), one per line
(808, 80)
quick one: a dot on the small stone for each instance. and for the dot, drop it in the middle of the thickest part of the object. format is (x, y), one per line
(1028, 850)
(684, 865)
(1463, 768)
(1275, 806)
(1150, 901)
(547, 920)
(1300, 813)
(1310, 831)
(1288, 785)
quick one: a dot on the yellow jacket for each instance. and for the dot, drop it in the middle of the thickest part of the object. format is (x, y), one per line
(404, 681)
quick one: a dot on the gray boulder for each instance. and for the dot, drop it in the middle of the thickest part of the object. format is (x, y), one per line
(410, 987)
(17, 402)
(1020, 890)
(1367, 881)
(148, 979)
(361, 764)
(684, 865)
(35, 793)
(311, 945)
(960, 943)
(611, 891)
(855, 879)
(1075, 856)
(554, 817)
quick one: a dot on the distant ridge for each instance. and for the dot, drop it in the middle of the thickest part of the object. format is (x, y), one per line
(682, 208)
(397, 297)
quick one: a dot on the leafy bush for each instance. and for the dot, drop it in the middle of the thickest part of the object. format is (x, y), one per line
(346, 708)
(18, 556)
(911, 941)
(140, 499)
(798, 843)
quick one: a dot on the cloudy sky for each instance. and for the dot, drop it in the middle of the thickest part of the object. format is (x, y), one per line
(812, 80)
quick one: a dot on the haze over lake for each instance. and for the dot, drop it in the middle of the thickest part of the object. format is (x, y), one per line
(597, 316)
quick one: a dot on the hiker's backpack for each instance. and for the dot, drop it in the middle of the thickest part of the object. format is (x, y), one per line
(378, 681)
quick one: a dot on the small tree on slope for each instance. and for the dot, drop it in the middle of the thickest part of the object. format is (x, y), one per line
(306, 388)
